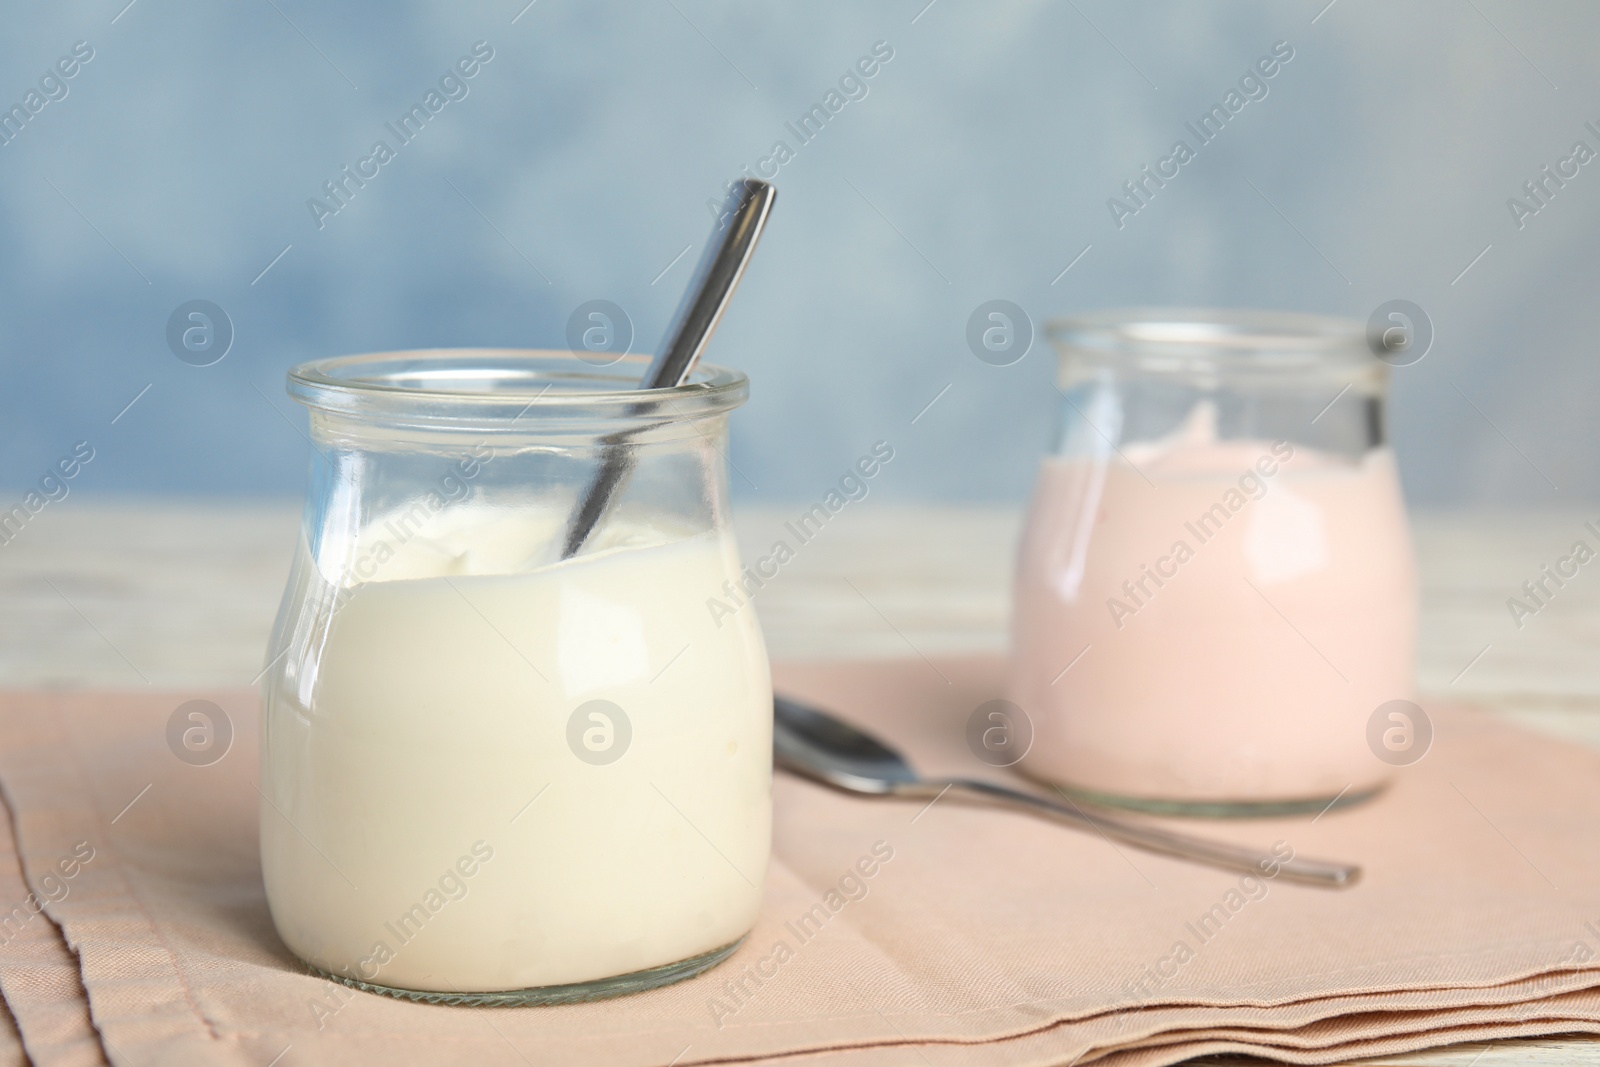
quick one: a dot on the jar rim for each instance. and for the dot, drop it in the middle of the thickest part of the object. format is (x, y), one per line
(1260, 339)
(485, 386)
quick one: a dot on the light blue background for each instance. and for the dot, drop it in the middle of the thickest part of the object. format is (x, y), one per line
(977, 167)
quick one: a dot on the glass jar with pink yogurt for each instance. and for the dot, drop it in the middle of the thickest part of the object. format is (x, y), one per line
(1215, 589)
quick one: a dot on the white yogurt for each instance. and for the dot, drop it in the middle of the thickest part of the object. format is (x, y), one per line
(428, 825)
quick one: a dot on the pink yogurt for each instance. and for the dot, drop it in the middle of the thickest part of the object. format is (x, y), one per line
(1213, 622)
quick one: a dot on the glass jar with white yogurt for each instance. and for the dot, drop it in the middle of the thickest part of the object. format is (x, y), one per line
(491, 774)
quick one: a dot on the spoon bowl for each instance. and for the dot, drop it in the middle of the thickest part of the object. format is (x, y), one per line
(819, 746)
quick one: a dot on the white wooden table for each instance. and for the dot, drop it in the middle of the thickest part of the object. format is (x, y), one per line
(182, 594)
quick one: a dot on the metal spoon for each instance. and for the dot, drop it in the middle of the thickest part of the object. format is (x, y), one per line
(814, 744)
(727, 253)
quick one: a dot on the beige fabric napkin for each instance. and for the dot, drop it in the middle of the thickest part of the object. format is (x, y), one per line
(987, 937)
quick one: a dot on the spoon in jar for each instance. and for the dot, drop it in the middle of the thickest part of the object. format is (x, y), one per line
(814, 744)
(727, 253)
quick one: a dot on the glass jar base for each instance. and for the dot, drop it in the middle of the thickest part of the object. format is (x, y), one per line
(1223, 809)
(573, 993)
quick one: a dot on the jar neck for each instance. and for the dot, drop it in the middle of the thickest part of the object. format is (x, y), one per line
(366, 432)
(1220, 350)
(1158, 378)
(473, 461)
(525, 395)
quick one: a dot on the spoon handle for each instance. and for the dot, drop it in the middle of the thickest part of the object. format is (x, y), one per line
(1156, 839)
(727, 253)
(717, 275)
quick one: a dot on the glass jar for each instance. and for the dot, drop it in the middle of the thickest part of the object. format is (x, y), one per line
(491, 774)
(1215, 590)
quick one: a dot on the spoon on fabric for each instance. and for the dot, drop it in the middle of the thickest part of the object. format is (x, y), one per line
(739, 226)
(814, 744)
